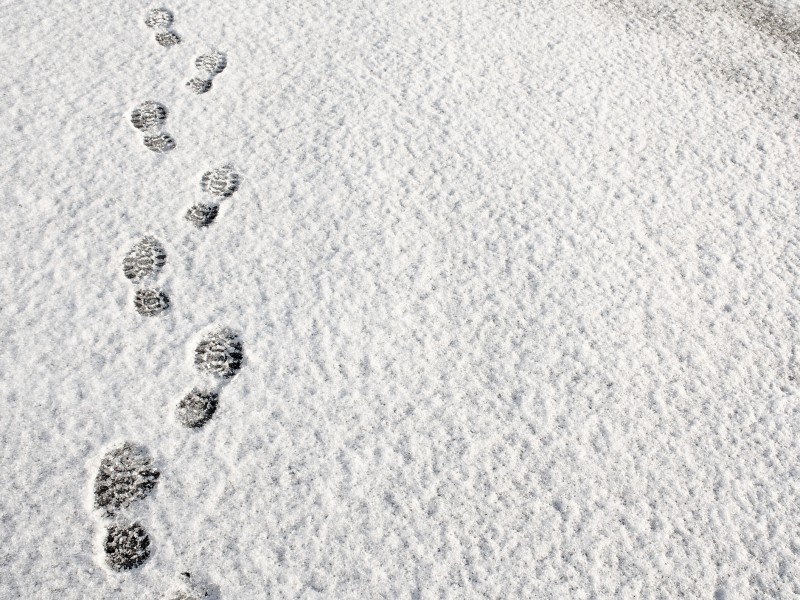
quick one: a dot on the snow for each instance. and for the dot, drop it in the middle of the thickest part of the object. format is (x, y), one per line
(516, 283)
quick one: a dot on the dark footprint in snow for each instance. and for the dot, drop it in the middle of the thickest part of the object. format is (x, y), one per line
(161, 19)
(221, 182)
(126, 546)
(144, 260)
(197, 407)
(150, 117)
(143, 263)
(209, 65)
(219, 353)
(212, 63)
(202, 215)
(150, 302)
(126, 474)
(168, 38)
(159, 142)
(198, 85)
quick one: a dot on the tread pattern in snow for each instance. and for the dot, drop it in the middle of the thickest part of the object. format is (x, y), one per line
(126, 474)
(126, 546)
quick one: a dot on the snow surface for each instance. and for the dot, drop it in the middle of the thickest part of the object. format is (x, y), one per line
(517, 284)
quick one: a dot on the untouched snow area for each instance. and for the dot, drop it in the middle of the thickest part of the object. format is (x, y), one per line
(516, 284)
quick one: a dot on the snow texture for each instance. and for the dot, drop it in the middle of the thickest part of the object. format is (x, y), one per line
(518, 285)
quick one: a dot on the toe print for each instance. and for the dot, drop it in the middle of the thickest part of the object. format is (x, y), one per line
(126, 474)
(161, 19)
(219, 353)
(202, 215)
(149, 302)
(148, 115)
(209, 65)
(126, 546)
(197, 407)
(144, 260)
(221, 182)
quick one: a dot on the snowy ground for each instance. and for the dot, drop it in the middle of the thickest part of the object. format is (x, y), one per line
(517, 284)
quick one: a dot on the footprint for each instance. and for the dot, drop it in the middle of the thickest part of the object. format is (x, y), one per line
(199, 86)
(212, 63)
(167, 38)
(150, 302)
(219, 353)
(158, 17)
(209, 65)
(144, 260)
(126, 474)
(159, 142)
(221, 182)
(197, 407)
(143, 263)
(161, 19)
(202, 215)
(126, 546)
(149, 117)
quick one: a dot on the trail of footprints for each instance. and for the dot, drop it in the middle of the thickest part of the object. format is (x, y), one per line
(127, 474)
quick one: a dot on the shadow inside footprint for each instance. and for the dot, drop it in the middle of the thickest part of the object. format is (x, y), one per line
(219, 353)
(126, 474)
(126, 546)
(150, 302)
(197, 407)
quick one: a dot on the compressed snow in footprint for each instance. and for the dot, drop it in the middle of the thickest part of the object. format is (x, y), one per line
(516, 283)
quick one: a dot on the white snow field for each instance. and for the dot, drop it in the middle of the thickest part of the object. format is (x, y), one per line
(517, 284)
